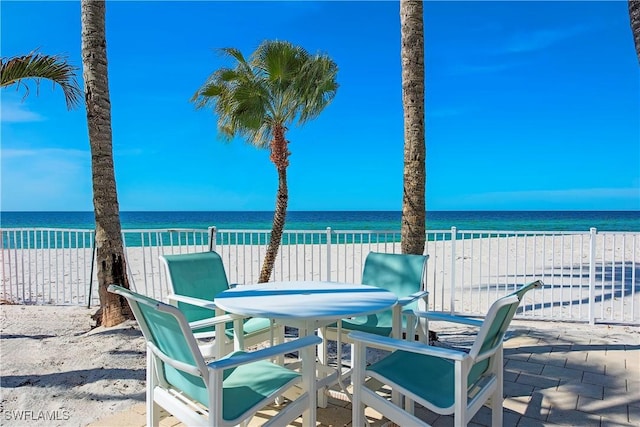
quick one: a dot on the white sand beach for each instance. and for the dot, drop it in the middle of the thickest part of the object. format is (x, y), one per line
(57, 371)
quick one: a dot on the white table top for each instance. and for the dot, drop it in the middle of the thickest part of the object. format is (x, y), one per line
(305, 300)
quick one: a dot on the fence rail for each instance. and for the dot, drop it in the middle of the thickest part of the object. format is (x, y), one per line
(589, 276)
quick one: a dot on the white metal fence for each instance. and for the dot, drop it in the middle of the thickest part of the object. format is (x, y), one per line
(589, 276)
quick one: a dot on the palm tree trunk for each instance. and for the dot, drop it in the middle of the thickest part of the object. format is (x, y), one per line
(280, 157)
(413, 199)
(634, 16)
(109, 248)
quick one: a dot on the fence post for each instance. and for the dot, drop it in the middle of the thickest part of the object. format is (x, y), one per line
(212, 238)
(4, 281)
(328, 254)
(454, 236)
(592, 274)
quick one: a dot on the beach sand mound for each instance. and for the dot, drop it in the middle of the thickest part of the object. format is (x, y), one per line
(56, 370)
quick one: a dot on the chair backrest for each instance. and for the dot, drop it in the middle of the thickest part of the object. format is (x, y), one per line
(197, 275)
(492, 332)
(401, 274)
(169, 337)
(526, 288)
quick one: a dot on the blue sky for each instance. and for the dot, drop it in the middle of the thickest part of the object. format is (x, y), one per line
(529, 106)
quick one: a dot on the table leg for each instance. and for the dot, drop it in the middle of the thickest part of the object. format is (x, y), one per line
(220, 338)
(238, 334)
(308, 356)
(396, 332)
(323, 359)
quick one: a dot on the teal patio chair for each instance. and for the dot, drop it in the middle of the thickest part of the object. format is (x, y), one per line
(442, 380)
(452, 318)
(405, 276)
(194, 281)
(228, 391)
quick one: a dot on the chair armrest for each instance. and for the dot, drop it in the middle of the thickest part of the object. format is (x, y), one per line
(215, 320)
(193, 301)
(413, 297)
(238, 359)
(392, 344)
(211, 305)
(444, 317)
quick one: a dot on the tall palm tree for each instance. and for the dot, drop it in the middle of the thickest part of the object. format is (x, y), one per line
(258, 99)
(634, 15)
(14, 70)
(109, 248)
(413, 200)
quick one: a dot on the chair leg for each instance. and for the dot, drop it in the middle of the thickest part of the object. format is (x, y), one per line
(238, 335)
(396, 398)
(152, 408)
(358, 365)
(277, 332)
(498, 395)
(411, 326)
(460, 393)
(496, 408)
(220, 343)
(308, 356)
(279, 339)
(422, 323)
(153, 414)
(409, 405)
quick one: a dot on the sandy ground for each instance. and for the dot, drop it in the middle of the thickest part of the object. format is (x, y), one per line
(56, 370)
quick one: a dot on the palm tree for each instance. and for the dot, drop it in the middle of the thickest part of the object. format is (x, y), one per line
(413, 199)
(258, 99)
(109, 248)
(14, 70)
(634, 15)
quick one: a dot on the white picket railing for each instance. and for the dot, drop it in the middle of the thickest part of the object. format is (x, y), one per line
(589, 276)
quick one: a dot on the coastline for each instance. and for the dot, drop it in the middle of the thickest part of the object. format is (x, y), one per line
(338, 220)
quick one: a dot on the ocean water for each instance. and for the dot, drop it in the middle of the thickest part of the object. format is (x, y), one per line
(339, 220)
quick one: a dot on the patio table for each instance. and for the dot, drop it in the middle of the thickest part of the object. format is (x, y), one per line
(306, 305)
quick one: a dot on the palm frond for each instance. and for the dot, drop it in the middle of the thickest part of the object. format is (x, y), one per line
(233, 52)
(39, 66)
(279, 83)
(319, 86)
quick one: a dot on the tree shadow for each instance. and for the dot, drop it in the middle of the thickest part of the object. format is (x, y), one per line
(125, 332)
(69, 379)
(33, 337)
(612, 281)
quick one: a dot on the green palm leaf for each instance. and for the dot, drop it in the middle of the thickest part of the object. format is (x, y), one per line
(38, 66)
(279, 84)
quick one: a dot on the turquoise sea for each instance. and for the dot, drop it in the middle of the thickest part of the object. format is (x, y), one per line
(340, 220)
